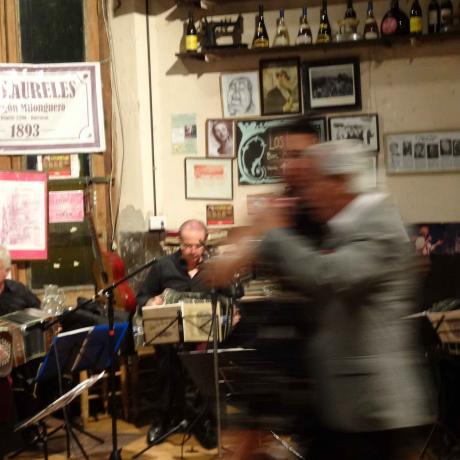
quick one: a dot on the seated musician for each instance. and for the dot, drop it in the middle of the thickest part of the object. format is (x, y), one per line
(14, 295)
(181, 272)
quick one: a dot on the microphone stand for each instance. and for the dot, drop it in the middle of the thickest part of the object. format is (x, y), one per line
(107, 292)
(215, 340)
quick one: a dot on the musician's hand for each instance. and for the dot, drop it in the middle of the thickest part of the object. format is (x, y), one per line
(157, 300)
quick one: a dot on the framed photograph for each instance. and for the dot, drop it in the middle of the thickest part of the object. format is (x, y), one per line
(332, 85)
(220, 138)
(280, 86)
(259, 148)
(422, 152)
(208, 179)
(362, 127)
(240, 94)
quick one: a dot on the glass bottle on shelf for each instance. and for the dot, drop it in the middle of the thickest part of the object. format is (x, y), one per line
(350, 12)
(324, 31)
(260, 39)
(415, 24)
(446, 16)
(282, 34)
(371, 29)
(191, 35)
(434, 17)
(395, 21)
(304, 36)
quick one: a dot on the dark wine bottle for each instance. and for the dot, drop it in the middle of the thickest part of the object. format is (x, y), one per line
(191, 35)
(416, 24)
(371, 29)
(434, 17)
(304, 36)
(446, 15)
(395, 21)
(324, 31)
(260, 39)
(350, 12)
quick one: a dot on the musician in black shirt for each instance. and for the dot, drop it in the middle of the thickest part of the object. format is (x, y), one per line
(14, 296)
(180, 272)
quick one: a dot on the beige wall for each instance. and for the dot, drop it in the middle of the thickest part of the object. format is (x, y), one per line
(410, 89)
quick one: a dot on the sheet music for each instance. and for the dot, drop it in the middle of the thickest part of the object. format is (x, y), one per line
(197, 321)
(161, 323)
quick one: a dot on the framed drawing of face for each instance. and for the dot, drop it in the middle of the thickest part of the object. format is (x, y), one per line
(240, 94)
(220, 138)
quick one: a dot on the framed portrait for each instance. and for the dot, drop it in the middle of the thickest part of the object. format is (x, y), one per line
(280, 86)
(240, 94)
(259, 146)
(220, 138)
(208, 179)
(422, 152)
(332, 85)
(362, 127)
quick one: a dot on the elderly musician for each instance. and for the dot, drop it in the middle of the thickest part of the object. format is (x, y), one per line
(373, 384)
(180, 272)
(14, 295)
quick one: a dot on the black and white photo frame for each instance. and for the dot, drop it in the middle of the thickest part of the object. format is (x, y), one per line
(331, 85)
(364, 127)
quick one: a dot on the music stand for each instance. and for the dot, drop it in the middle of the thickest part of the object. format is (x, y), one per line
(77, 350)
(56, 405)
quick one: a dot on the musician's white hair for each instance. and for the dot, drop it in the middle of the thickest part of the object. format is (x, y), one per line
(345, 158)
(5, 256)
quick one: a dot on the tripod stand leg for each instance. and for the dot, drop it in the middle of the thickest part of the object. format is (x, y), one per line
(45, 440)
(74, 436)
(81, 430)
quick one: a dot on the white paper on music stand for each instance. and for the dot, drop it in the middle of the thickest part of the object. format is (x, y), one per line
(197, 321)
(161, 323)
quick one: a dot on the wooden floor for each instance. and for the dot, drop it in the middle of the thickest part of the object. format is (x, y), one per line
(132, 440)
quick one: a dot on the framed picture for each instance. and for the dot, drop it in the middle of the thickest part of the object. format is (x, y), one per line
(280, 86)
(422, 152)
(220, 138)
(219, 214)
(208, 179)
(332, 85)
(259, 151)
(240, 94)
(362, 127)
(24, 211)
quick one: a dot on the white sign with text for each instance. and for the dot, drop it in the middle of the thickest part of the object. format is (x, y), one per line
(51, 108)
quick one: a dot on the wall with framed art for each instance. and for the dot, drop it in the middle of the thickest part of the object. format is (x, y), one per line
(397, 84)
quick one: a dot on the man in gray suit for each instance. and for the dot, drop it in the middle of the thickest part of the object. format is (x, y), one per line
(373, 385)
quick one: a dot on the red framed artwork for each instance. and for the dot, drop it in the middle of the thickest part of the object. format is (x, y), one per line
(24, 214)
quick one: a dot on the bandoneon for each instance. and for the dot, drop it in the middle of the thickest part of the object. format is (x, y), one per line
(30, 339)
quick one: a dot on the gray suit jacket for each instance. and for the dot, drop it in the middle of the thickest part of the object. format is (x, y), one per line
(370, 373)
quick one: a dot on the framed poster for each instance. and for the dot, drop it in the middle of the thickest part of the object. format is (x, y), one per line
(259, 153)
(219, 214)
(208, 179)
(362, 127)
(220, 138)
(331, 85)
(280, 86)
(240, 94)
(24, 211)
(422, 152)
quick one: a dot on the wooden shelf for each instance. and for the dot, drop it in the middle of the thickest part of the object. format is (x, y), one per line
(373, 47)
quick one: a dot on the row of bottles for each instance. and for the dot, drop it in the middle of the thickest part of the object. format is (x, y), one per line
(395, 22)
